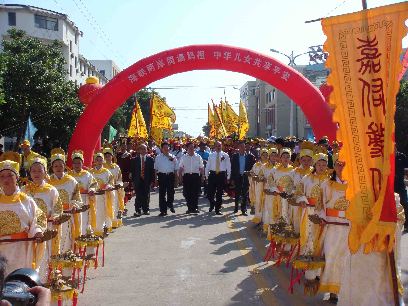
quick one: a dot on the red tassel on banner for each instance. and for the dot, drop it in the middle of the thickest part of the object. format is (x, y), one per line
(75, 299)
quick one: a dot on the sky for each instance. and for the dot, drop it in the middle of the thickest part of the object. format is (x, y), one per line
(129, 30)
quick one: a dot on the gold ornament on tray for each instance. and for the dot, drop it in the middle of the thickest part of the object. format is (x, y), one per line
(89, 239)
(67, 260)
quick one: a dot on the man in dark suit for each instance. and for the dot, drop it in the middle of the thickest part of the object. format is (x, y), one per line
(241, 164)
(142, 172)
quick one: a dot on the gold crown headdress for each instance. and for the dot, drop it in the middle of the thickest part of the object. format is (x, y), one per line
(77, 154)
(306, 149)
(38, 160)
(285, 150)
(57, 154)
(10, 165)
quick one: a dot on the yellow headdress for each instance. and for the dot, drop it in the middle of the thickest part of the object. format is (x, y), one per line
(286, 150)
(264, 150)
(77, 154)
(38, 160)
(57, 154)
(25, 143)
(320, 156)
(273, 149)
(10, 165)
(99, 154)
(10, 155)
(109, 150)
(306, 149)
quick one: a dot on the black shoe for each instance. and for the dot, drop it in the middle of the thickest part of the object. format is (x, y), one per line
(136, 214)
(235, 210)
(218, 213)
(147, 213)
(244, 213)
(195, 211)
(211, 208)
(162, 214)
(188, 212)
(172, 210)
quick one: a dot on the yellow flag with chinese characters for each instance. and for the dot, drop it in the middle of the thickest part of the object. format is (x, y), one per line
(157, 135)
(211, 122)
(364, 59)
(220, 131)
(161, 115)
(231, 120)
(137, 126)
(243, 123)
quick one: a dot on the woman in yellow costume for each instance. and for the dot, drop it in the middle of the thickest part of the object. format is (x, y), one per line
(18, 220)
(305, 168)
(103, 196)
(311, 199)
(268, 188)
(119, 192)
(283, 188)
(257, 185)
(87, 185)
(335, 243)
(47, 199)
(69, 195)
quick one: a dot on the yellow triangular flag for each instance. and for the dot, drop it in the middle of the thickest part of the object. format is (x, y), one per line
(243, 121)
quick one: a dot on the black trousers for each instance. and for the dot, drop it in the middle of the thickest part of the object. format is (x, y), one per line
(142, 201)
(216, 183)
(191, 190)
(241, 192)
(166, 187)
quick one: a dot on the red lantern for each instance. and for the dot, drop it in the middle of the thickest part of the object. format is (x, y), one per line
(89, 90)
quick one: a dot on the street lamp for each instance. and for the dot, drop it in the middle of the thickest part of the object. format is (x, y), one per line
(291, 58)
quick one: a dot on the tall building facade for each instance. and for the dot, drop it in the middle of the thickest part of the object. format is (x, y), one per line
(272, 113)
(48, 26)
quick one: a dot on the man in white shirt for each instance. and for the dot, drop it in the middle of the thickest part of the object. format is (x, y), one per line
(165, 165)
(217, 171)
(190, 167)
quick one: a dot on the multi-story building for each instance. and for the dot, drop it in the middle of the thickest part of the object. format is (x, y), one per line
(272, 113)
(48, 26)
(107, 68)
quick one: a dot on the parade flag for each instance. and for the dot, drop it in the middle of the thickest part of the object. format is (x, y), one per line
(112, 133)
(137, 126)
(157, 135)
(243, 123)
(220, 131)
(223, 110)
(211, 122)
(364, 59)
(30, 131)
(159, 114)
(231, 120)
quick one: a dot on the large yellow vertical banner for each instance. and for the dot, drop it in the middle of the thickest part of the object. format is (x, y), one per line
(364, 58)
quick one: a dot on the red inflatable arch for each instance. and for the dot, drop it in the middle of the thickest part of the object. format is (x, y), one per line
(107, 99)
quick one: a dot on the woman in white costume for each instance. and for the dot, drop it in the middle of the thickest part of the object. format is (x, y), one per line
(18, 220)
(269, 184)
(335, 243)
(47, 199)
(118, 193)
(103, 196)
(87, 185)
(69, 195)
(257, 185)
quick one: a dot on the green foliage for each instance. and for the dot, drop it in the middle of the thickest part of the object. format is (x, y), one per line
(206, 129)
(35, 84)
(401, 118)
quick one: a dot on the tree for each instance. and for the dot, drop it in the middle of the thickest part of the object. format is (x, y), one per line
(206, 129)
(35, 85)
(120, 120)
(401, 118)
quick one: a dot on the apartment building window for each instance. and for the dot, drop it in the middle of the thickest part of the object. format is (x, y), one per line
(44, 22)
(70, 46)
(273, 94)
(102, 72)
(11, 18)
(76, 39)
(76, 62)
(70, 70)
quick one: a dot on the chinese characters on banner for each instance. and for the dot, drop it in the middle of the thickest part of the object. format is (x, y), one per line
(364, 57)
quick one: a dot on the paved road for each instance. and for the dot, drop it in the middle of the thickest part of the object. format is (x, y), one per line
(191, 260)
